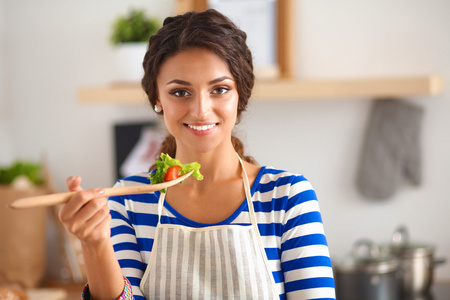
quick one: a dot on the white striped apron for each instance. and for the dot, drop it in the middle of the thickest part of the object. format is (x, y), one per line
(214, 262)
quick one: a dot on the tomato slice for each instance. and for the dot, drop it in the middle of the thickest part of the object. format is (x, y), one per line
(172, 173)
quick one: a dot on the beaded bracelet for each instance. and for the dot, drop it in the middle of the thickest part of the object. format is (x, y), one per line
(127, 293)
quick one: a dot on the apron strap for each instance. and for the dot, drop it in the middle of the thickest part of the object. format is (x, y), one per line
(252, 215)
(162, 196)
(251, 210)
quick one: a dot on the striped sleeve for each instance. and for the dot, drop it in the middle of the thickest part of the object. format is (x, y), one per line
(126, 246)
(301, 248)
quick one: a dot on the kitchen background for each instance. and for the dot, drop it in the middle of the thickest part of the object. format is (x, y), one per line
(49, 49)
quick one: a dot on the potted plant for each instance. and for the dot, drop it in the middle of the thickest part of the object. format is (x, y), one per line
(130, 34)
(30, 171)
(23, 232)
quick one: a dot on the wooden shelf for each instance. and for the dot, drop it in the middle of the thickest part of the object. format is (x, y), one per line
(285, 88)
(266, 90)
(349, 88)
(113, 94)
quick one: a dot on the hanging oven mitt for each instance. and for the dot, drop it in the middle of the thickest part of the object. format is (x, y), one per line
(391, 149)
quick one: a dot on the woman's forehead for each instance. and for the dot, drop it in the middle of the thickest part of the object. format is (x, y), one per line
(194, 62)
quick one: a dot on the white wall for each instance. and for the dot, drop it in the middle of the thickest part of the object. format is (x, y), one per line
(5, 139)
(54, 47)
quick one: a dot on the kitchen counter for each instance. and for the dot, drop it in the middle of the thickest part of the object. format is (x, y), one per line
(56, 291)
(439, 291)
(47, 294)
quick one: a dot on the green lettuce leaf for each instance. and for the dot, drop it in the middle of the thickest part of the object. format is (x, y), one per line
(166, 162)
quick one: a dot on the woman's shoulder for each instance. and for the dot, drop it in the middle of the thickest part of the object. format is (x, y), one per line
(281, 180)
(268, 173)
(280, 190)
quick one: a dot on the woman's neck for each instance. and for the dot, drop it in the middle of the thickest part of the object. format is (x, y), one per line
(220, 164)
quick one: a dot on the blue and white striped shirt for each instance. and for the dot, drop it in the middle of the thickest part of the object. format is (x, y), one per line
(289, 221)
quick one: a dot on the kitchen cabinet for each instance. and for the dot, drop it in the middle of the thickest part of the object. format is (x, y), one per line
(285, 31)
(285, 86)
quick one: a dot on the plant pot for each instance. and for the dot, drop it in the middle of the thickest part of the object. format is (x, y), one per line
(129, 58)
(23, 239)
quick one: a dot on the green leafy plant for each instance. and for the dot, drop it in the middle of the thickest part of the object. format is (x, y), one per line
(133, 27)
(33, 171)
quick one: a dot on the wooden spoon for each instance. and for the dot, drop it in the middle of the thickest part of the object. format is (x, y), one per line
(58, 198)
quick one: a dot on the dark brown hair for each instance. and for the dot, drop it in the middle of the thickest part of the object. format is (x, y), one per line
(213, 31)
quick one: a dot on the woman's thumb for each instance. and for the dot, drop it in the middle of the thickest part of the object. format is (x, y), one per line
(73, 183)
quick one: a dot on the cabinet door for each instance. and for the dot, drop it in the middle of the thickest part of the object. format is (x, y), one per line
(285, 33)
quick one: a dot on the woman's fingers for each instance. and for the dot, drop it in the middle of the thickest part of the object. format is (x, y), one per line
(77, 201)
(92, 221)
(96, 228)
(88, 211)
(73, 183)
(86, 214)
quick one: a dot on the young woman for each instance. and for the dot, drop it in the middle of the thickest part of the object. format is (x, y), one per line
(244, 231)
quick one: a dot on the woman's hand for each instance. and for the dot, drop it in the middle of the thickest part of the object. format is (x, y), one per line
(86, 214)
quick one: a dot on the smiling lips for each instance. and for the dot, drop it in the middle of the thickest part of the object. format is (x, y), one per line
(201, 129)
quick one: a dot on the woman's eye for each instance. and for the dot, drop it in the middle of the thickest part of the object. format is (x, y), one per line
(180, 93)
(220, 90)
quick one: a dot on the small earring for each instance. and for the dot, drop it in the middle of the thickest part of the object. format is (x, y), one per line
(157, 109)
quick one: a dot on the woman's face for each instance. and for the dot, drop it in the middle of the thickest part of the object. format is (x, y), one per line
(199, 98)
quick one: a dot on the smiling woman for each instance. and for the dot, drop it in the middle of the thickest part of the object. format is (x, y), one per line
(199, 98)
(243, 232)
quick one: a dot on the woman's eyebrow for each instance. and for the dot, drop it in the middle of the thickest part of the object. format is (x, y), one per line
(182, 82)
(178, 81)
(220, 79)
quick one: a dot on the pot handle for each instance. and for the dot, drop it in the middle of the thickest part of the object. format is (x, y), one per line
(371, 249)
(400, 236)
(440, 261)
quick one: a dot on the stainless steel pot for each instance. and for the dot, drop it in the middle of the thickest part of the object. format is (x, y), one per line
(417, 262)
(366, 274)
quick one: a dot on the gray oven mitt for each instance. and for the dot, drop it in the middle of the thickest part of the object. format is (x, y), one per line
(391, 148)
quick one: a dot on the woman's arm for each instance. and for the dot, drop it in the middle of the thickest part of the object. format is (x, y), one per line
(306, 260)
(103, 271)
(87, 216)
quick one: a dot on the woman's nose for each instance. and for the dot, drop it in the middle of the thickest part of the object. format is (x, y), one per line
(201, 106)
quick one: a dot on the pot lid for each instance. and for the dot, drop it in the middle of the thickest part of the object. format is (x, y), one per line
(409, 250)
(401, 246)
(366, 258)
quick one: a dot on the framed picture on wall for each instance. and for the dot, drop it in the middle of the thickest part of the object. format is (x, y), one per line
(136, 146)
(258, 19)
(269, 25)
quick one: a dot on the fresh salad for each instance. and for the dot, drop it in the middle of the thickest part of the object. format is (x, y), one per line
(168, 168)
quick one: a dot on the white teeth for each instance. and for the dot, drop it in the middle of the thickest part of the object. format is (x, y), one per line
(203, 127)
